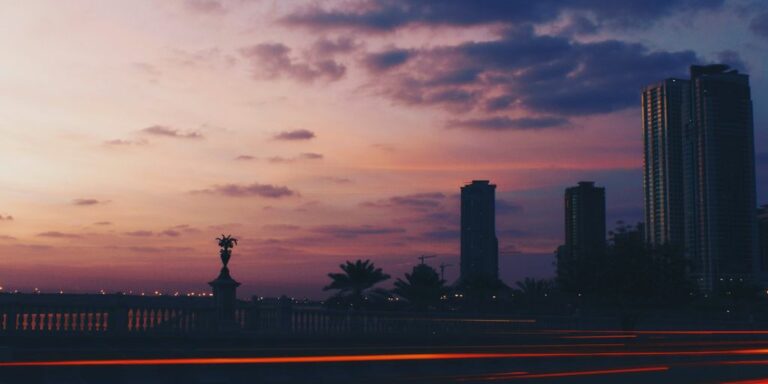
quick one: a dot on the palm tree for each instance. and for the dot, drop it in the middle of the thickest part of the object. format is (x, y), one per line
(423, 287)
(533, 288)
(358, 277)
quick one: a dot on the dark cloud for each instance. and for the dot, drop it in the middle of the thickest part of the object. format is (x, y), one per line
(503, 123)
(139, 233)
(170, 233)
(732, 59)
(298, 134)
(6, 218)
(125, 143)
(418, 201)
(273, 60)
(524, 71)
(103, 223)
(279, 159)
(303, 156)
(505, 207)
(255, 189)
(161, 130)
(245, 158)
(6, 237)
(88, 201)
(578, 25)
(328, 48)
(441, 234)
(509, 250)
(385, 16)
(205, 6)
(759, 25)
(344, 231)
(59, 235)
(381, 61)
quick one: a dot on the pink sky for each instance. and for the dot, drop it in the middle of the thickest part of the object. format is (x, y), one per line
(135, 132)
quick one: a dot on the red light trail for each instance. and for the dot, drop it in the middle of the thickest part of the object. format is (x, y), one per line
(370, 358)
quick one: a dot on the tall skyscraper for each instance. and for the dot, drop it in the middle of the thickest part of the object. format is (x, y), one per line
(584, 221)
(664, 119)
(762, 225)
(719, 176)
(479, 246)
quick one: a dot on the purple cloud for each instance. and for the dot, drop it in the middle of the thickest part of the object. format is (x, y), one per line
(87, 202)
(59, 235)
(417, 201)
(255, 189)
(139, 233)
(170, 233)
(503, 123)
(759, 25)
(164, 131)
(504, 207)
(273, 60)
(382, 61)
(344, 231)
(387, 16)
(297, 134)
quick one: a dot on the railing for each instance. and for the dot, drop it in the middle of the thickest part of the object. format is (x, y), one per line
(123, 315)
(301, 320)
(34, 315)
(24, 314)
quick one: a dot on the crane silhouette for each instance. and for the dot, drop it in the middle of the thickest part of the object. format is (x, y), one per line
(424, 257)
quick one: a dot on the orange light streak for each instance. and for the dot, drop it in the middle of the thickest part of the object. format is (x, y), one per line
(590, 373)
(368, 358)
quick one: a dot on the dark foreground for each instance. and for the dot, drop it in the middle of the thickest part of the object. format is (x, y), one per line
(527, 356)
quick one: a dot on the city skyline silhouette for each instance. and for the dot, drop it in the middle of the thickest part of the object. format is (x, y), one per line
(425, 191)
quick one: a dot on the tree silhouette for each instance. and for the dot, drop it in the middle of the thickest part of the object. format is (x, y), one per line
(533, 288)
(422, 288)
(352, 285)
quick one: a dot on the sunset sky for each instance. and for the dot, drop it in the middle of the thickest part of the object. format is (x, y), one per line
(135, 132)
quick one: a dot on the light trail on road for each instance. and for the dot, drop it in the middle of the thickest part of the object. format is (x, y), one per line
(371, 358)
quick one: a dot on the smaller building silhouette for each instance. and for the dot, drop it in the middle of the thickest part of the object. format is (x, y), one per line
(479, 245)
(584, 221)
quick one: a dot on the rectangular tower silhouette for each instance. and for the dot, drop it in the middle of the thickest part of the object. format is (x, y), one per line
(664, 118)
(479, 246)
(585, 221)
(719, 177)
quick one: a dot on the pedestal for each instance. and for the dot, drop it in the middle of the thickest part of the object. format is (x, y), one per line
(225, 298)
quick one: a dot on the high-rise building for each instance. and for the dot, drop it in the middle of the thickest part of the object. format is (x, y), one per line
(584, 221)
(719, 177)
(479, 246)
(762, 225)
(664, 118)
